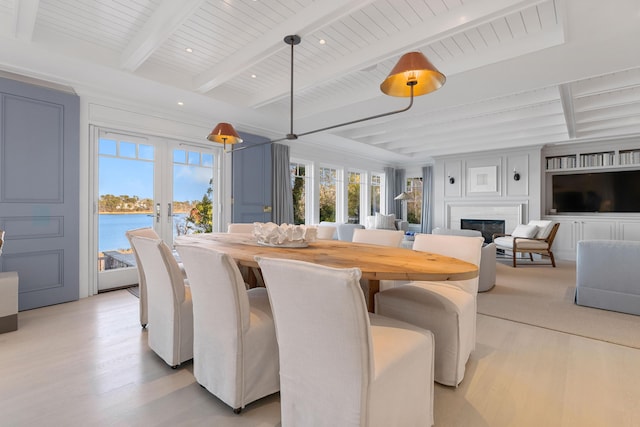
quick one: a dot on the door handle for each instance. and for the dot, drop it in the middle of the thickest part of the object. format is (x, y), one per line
(157, 212)
(169, 212)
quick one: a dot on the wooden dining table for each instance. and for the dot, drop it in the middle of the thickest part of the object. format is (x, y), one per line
(376, 262)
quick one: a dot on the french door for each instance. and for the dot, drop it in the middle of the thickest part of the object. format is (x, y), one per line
(168, 185)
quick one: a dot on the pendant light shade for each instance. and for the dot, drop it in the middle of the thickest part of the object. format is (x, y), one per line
(225, 134)
(412, 76)
(413, 69)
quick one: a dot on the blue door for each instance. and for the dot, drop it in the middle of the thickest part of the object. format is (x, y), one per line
(252, 182)
(39, 191)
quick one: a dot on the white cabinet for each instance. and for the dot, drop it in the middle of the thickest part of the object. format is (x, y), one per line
(574, 229)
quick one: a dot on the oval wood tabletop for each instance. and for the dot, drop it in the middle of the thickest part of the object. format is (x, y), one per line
(376, 262)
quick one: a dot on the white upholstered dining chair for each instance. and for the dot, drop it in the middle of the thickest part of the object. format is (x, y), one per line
(326, 232)
(240, 227)
(169, 304)
(251, 276)
(378, 237)
(339, 365)
(447, 308)
(235, 354)
(149, 233)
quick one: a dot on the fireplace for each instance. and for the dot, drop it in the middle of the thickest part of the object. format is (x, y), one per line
(486, 226)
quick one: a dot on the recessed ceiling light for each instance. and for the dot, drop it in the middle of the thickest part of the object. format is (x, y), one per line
(253, 76)
(188, 49)
(180, 103)
(322, 41)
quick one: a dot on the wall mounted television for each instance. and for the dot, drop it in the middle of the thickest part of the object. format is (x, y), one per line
(617, 191)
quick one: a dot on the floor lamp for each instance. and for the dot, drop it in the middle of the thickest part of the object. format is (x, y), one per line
(403, 197)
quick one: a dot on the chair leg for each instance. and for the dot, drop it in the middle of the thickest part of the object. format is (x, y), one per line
(531, 256)
(237, 411)
(514, 259)
(553, 261)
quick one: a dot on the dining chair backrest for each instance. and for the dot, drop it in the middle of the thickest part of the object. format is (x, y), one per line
(378, 237)
(326, 232)
(150, 233)
(221, 305)
(324, 340)
(169, 306)
(240, 228)
(162, 273)
(464, 248)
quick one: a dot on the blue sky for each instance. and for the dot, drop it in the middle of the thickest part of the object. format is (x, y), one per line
(122, 176)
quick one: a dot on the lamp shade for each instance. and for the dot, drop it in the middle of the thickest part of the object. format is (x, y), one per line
(224, 133)
(402, 196)
(412, 67)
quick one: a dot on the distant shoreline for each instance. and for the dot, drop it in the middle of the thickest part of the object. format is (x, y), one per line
(136, 213)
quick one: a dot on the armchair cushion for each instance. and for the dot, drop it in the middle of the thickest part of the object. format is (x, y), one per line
(528, 231)
(385, 222)
(544, 228)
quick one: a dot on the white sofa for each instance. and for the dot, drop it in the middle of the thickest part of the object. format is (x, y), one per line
(385, 222)
(487, 269)
(608, 275)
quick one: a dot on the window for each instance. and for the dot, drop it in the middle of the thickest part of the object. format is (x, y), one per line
(414, 205)
(298, 185)
(328, 190)
(376, 187)
(353, 198)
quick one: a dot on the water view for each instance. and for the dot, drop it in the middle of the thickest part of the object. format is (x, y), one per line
(112, 228)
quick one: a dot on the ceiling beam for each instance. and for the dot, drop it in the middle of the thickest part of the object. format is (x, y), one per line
(25, 13)
(566, 98)
(439, 27)
(310, 19)
(167, 18)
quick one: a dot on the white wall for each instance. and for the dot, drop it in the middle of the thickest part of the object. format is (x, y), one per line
(503, 190)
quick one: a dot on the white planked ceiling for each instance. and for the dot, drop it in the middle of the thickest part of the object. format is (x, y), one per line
(519, 72)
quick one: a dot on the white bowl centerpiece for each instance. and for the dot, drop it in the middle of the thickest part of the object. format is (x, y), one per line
(285, 235)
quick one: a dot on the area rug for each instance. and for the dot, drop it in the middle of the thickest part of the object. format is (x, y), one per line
(135, 291)
(543, 296)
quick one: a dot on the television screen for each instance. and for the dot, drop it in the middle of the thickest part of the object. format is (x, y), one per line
(597, 192)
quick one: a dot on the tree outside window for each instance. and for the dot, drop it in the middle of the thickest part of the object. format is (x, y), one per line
(353, 198)
(327, 187)
(298, 184)
(376, 183)
(414, 205)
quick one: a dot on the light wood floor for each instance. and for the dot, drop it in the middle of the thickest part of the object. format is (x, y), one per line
(86, 363)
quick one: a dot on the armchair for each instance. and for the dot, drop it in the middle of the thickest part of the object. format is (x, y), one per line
(534, 238)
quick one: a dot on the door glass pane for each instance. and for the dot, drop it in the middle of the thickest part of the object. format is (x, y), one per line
(298, 184)
(376, 182)
(328, 194)
(125, 190)
(414, 205)
(193, 192)
(353, 198)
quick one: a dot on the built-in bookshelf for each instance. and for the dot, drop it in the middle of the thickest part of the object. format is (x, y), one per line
(593, 159)
(629, 157)
(561, 162)
(590, 160)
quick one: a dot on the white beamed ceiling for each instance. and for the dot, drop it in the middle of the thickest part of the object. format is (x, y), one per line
(519, 72)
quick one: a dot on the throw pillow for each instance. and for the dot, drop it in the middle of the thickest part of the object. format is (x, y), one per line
(526, 231)
(385, 222)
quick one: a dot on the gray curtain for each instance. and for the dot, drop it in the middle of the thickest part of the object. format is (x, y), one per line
(427, 199)
(390, 177)
(282, 195)
(400, 186)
